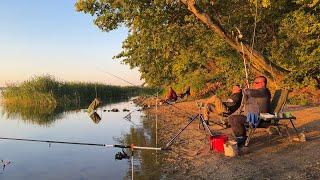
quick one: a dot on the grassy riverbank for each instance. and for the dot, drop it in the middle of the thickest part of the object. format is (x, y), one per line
(47, 91)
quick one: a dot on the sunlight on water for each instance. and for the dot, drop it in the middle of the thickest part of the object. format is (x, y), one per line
(33, 160)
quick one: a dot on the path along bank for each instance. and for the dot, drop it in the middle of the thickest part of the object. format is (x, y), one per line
(270, 156)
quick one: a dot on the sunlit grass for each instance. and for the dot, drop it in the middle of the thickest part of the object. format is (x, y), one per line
(47, 91)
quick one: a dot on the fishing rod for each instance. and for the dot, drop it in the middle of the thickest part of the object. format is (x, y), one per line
(240, 36)
(154, 95)
(116, 77)
(182, 110)
(132, 146)
(175, 137)
(118, 156)
(125, 81)
(129, 114)
(189, 115)
(202, 121)
(185, 112)
(128, 118)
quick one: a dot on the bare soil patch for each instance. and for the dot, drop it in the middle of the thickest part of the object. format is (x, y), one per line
(269, 157)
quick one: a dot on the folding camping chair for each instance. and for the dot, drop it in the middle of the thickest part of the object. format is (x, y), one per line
(273, 120)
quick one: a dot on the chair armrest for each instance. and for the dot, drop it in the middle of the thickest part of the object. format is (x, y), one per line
(278, 118)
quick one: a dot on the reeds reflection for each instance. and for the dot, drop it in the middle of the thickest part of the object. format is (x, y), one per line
(39, 115)
(46, 115)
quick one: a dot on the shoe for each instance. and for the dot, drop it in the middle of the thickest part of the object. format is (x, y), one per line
(241, 140)
(243, 150)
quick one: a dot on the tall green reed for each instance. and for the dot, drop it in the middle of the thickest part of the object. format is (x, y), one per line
(47, 91)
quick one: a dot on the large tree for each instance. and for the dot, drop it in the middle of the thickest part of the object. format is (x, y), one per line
(192, 41)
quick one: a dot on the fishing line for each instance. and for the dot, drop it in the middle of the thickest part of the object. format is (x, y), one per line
(191, 116)
(156, 94)
(128, 83)
(253, 36)
(182, 110)
(254, 28)
(116, 77)
(118, 156)
(95, 87)
(137, 109)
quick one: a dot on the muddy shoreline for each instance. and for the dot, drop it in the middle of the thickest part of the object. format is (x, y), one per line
(269, 157)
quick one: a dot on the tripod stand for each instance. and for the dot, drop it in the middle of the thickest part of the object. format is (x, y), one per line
(202, 123)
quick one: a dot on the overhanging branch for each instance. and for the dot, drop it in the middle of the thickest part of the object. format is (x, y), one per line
(257, 58)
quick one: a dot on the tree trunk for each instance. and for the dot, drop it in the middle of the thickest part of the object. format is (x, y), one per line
(258, 61)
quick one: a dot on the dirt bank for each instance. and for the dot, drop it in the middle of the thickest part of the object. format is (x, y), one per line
(270, 156)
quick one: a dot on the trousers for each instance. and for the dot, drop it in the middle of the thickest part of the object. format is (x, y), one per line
(237, 125)
(214, 105)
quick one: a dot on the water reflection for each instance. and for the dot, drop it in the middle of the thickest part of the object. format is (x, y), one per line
(147, 163)
(45, 115)
(4, 163)
(95, 117)
(70, 162)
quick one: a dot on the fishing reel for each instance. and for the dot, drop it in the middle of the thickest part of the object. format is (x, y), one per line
(121, 155)
(4, 164)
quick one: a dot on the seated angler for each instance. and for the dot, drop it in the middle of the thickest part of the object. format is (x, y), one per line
(256, 101)
(171, 96)
(214, 104)
(186, 93)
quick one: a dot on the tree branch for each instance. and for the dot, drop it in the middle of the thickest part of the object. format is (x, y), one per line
(257, 58)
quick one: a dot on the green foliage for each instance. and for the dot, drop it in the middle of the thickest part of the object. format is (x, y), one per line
(46, 91)
(170, 46)
(301, 100)
(298, 46)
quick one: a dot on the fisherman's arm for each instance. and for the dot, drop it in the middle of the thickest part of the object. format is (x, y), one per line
(233, 100)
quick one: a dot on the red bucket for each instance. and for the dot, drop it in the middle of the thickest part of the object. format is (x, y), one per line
(217, 141)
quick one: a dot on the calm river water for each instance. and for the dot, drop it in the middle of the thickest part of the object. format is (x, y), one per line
(33, 160)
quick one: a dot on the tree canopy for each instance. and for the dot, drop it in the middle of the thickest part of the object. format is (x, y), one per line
(191, 42)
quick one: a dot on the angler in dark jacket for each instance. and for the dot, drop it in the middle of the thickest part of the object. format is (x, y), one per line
(255, 100)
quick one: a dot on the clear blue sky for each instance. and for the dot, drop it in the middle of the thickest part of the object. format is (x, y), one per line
(50, 37)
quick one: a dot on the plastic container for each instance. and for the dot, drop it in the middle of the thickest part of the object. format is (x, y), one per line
(217, 142)
(287, 115)
(230, 149)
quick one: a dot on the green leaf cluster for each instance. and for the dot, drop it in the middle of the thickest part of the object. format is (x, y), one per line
(297, 47)
(170, 46)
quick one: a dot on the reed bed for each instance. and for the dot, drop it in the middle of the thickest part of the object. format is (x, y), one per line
(47, 91)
